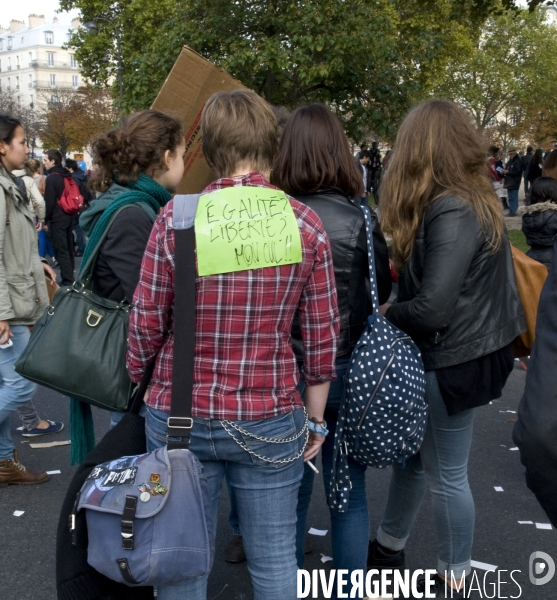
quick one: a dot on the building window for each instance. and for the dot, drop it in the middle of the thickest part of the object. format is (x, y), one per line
(10, 42)
(0, 66)
(74, 81)
(30, 84)
(1, 45)
(17, 83)
(52, 80)
(9, 63)
(50, 58)
(54, 98)
(17, 61)
(9, 84)
(49, 37)
(73, 62)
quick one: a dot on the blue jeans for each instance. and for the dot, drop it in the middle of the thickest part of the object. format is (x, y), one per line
(513, 200)
(349, 530)
(45, 247)
(442, 466)
(266, 495)
(14, 389)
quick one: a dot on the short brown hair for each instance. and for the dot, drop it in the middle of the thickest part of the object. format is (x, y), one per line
(137, 146)
(314, 154)
(238, 127)
(550, 165)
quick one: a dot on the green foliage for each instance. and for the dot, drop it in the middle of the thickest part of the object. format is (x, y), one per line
(369, 60)
(508, 65)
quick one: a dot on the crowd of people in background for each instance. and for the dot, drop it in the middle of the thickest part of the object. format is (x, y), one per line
(274, 344)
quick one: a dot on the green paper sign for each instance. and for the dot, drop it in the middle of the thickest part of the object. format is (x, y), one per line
(245, 227)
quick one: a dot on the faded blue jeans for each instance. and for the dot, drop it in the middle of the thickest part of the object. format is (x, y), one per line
(266, 495)
(349, 530)
(441, 466)
(15, 391)
(513, 200)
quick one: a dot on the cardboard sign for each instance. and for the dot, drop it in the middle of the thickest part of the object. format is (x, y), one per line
(243, 227)
(189, 85)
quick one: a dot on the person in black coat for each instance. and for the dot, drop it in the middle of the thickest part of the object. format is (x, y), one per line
(315, 166)
(539, 220)
(535, 432)
(59, 222)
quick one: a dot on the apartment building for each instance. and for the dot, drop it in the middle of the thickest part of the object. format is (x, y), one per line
(33, 63)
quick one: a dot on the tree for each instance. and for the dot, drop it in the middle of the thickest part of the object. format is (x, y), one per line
(70, 119)
(25, 114)
(509, 66)
(368, 60)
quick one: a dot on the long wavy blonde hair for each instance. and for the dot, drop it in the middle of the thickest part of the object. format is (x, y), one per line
(437, 153)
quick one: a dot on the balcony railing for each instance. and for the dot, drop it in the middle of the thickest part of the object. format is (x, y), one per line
(53, 65)
(46, 85)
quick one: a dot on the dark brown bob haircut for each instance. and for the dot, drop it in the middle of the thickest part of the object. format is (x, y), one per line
(136, 146)
(314, 155)
(238, 129)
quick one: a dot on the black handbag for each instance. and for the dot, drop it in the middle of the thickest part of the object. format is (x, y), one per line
(78, 346)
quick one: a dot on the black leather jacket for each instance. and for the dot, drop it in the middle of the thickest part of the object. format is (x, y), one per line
(344, 223)
(457, 299)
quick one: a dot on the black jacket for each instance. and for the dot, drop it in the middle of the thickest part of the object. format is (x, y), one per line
(535, 433)
(514, 175)
(116, 274)
(457, 299)
(539, 225)
(344, 223)
(54, 187)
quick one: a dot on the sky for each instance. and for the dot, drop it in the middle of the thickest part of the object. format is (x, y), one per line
(21, 9)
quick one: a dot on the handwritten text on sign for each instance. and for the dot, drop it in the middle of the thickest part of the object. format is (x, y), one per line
(245, 227)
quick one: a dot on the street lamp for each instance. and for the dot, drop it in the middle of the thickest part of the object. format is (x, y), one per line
(92, 27)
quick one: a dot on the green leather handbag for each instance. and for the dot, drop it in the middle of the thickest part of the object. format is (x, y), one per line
(78, 346)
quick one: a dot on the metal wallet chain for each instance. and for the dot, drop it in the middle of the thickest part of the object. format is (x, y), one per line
(226, 424)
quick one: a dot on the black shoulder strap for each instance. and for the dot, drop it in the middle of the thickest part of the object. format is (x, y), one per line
(180, 420)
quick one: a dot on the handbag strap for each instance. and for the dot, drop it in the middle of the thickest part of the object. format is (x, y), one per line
(85, 277)
(180, 422)
(371, 260)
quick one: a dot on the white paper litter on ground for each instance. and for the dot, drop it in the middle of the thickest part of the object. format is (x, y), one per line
(503, 446)
(498, 488)
(543, 526)
(321, 532)
(483, 566)
(512, 411)
(19, 428)
(58, 472)
(18, 513)
(513, 449)
(526, 522)
(50, 444)
(325, 559)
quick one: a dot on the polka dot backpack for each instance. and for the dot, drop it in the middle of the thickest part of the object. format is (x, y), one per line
(383, 416)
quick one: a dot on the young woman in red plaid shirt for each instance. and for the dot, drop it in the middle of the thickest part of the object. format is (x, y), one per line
(249, 421)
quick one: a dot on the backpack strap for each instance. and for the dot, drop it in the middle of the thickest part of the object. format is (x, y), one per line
(180, 422)
(369, 222)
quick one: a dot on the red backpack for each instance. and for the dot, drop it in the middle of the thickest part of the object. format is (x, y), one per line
(71, 200)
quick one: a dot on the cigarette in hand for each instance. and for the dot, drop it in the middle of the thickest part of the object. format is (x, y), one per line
(312, 466)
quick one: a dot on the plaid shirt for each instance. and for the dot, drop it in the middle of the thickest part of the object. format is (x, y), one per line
(245, 367)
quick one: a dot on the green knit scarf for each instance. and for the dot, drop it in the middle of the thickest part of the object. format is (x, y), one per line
(152, 197)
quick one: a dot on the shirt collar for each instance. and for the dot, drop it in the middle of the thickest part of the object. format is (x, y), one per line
(253, 179)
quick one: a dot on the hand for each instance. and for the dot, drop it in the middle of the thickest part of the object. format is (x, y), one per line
(384, 308)
(45, 227)
(5, 332)
(49, 272)
(315, 441)
(39, 226)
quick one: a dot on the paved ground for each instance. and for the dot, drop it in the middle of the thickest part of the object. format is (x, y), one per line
(28, 553)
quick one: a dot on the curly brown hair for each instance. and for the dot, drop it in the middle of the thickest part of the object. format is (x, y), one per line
(136, 146)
